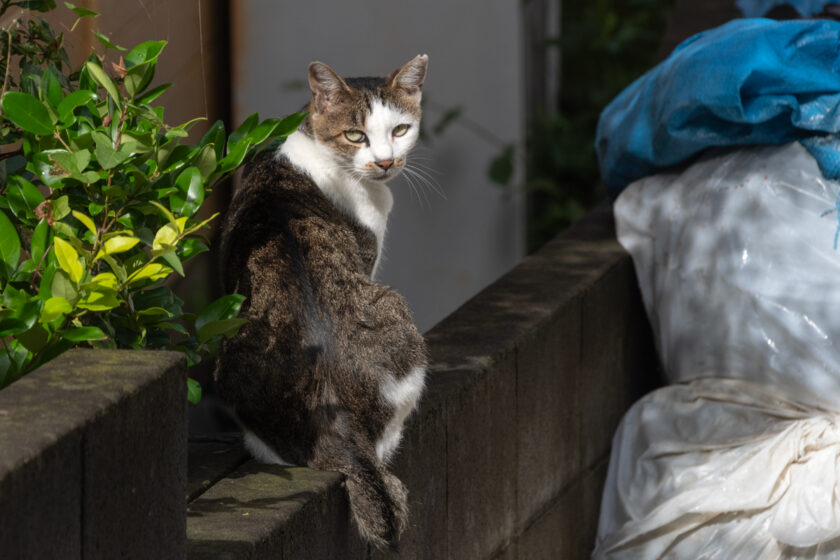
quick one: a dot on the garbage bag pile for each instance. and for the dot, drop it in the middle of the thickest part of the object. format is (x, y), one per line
(732, 225)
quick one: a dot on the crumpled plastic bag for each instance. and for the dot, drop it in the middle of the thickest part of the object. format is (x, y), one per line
(740, 459)
(749, 81)
(737, 267)
(722, 468)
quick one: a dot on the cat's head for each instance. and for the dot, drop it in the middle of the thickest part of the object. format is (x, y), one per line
(369, 124)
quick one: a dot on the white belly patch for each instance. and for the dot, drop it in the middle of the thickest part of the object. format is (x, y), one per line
(402, 395)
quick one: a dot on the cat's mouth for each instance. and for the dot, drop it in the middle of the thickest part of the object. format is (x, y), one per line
(387, 174)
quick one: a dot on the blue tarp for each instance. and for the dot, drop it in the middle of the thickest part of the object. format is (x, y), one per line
(758, 8)
(750, 81)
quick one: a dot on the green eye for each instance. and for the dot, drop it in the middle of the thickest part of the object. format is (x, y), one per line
(401, 129)
(356, 136)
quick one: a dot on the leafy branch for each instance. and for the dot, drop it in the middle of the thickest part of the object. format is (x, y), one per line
(101, 202)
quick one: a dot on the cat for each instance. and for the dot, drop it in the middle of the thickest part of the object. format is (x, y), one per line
(330, 363)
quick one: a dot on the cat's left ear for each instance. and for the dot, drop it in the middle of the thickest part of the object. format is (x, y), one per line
(410, 77)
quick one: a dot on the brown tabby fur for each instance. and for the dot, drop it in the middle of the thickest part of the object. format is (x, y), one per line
(305, 373)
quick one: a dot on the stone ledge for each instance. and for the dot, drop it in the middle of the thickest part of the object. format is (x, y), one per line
(93, 453)
(528, 381)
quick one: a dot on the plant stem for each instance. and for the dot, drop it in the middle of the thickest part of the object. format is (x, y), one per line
(8, 61)
(60, 139)
(38, 268)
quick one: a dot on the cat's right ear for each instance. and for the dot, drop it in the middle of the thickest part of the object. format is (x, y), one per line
(327, 87)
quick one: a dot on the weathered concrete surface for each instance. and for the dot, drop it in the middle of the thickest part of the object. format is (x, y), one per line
(506, 456)
(269, 511)
(211, 460)
(93, 461)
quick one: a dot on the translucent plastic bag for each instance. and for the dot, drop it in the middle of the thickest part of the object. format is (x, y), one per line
(737, 267)
(741, 281)
(724, 469)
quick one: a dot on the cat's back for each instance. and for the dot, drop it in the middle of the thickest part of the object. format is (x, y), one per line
(282, 230)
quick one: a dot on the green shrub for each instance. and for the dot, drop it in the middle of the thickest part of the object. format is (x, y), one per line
(99, 201)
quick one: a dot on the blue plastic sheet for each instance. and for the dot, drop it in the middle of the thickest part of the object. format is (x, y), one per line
(758, 8)
(750, 81)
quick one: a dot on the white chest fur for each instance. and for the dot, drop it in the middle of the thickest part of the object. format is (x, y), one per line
(369, 202)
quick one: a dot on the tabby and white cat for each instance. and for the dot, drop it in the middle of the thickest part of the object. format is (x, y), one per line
(330, 363)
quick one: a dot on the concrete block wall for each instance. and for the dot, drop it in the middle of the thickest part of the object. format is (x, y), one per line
(507, 455)
(93, 458)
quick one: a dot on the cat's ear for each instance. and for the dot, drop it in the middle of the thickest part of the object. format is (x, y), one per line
(327, 87)
(410, 77)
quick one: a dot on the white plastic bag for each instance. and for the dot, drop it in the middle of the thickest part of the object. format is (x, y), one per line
(737, 267)
(741, 459)
(722, 468)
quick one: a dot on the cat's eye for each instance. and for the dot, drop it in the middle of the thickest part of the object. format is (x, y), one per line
(401, 129)
(356, 136)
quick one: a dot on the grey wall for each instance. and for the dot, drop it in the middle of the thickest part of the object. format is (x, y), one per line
(443, 243)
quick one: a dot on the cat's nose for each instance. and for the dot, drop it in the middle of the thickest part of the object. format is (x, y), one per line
(385, 164)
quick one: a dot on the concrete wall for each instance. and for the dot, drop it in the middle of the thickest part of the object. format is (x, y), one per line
(93, 461)
(507, 454)
(442, 247)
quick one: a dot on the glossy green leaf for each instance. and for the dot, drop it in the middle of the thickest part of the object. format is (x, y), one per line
(54, 308)
(154, 313)
(80, 11)
(101, 300)
(95, 208)
(190, 193)
(144, 52)
(172, 260)
(226, 307)
(205, 161)
(193, 390)
(119, 244)
(83, 334)
(60, 207)
(27, 112)
(68, 259)
(38, 5)
(23, 198)
(161, 296)
(262, 131)
(153, 94)
(85, 219)
(290, 123)
(106, 279)
(106, 42)
(73, 162)
(106, 155)
(117, 268)
(165, 238)
(51, 88)
(152, 271)
(99, 75)
(138, 77)
(226, 327)
(242, 130)
(188, 248)
(39, 240)
(164, 211)
(21, 320)
(9, 245)
(216, 136)
(235, 157)
(73, 101)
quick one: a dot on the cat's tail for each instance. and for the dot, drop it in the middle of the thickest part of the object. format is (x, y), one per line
(378, 500)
